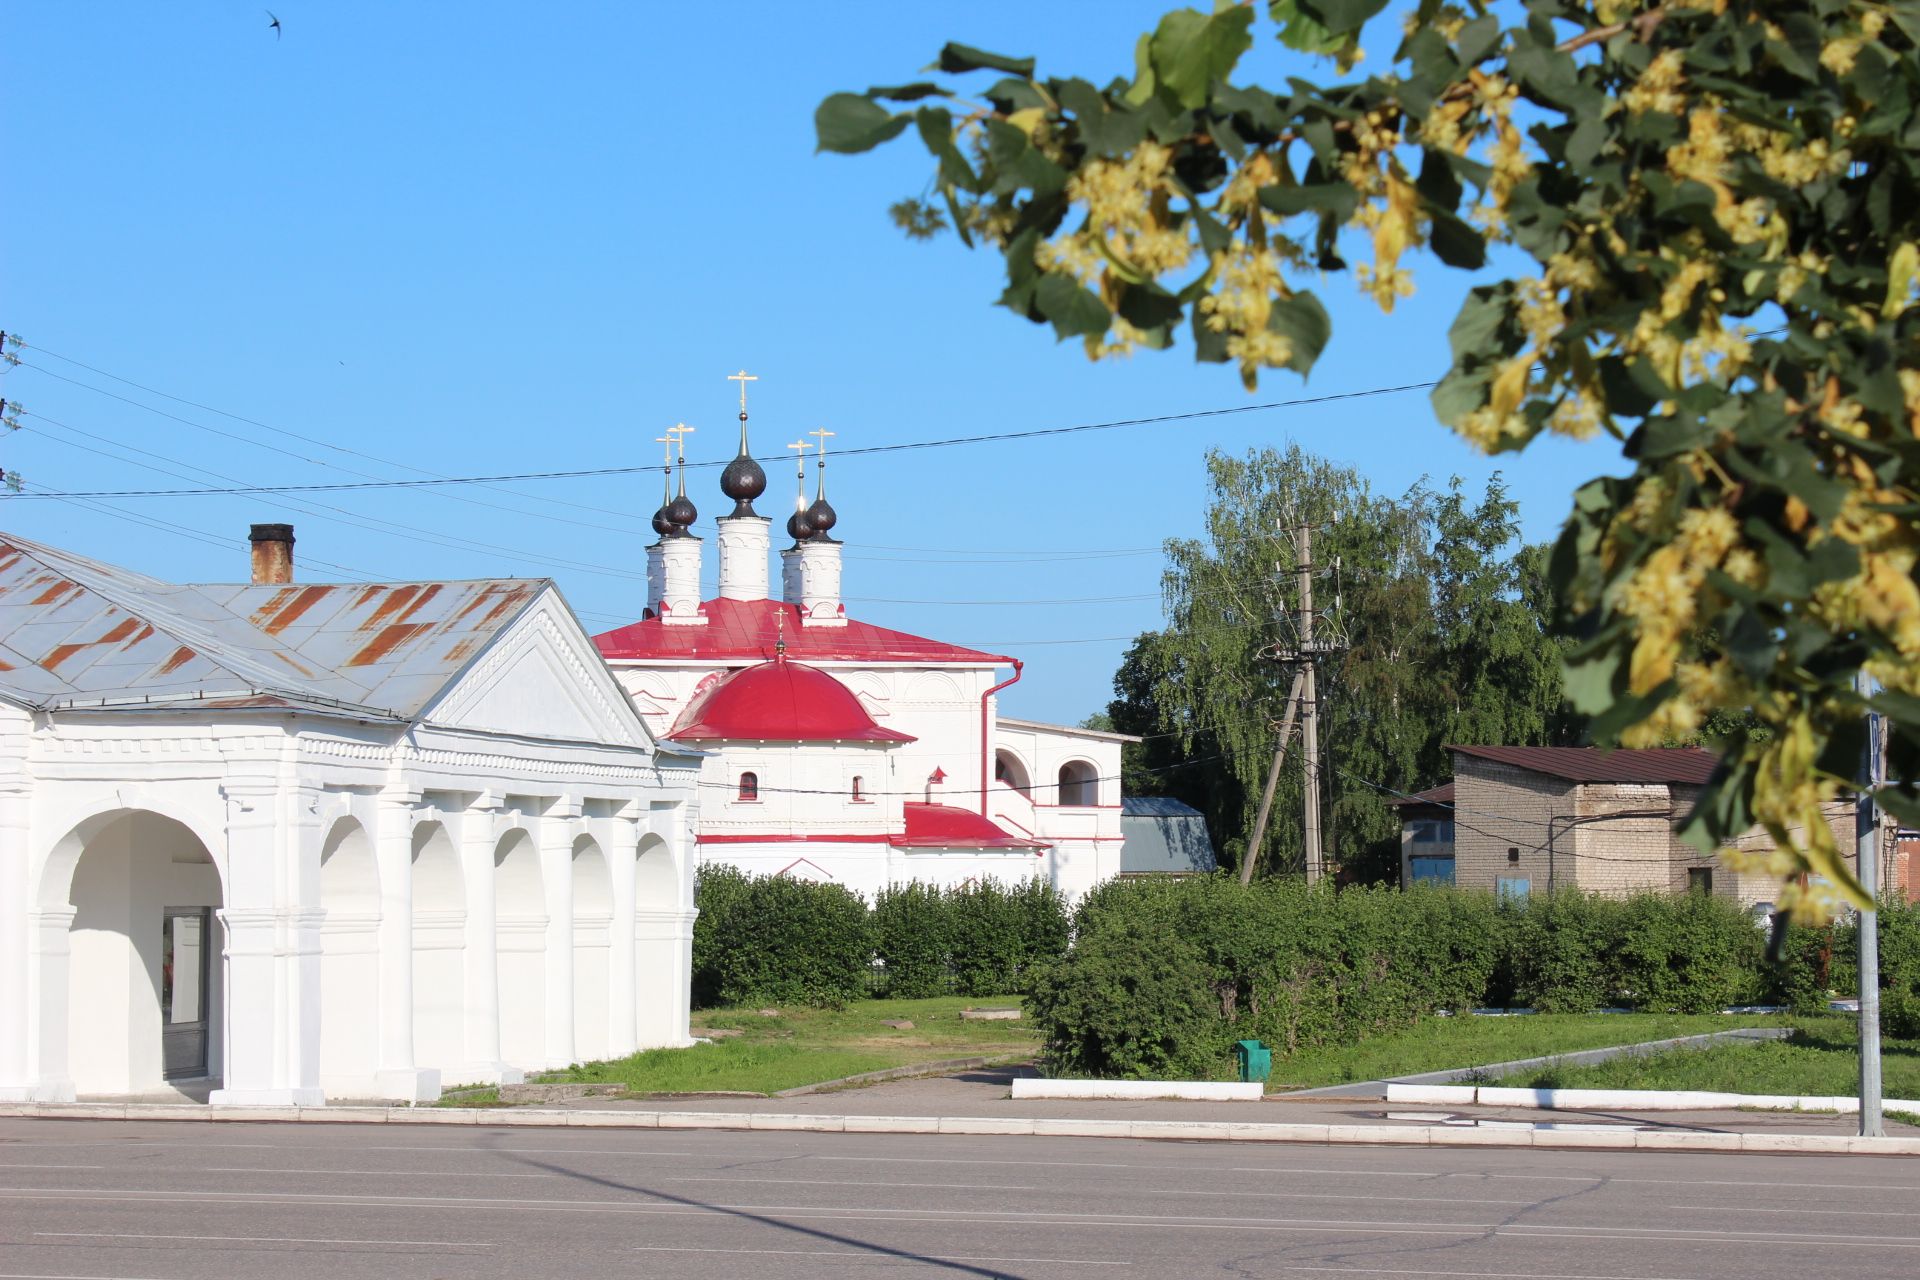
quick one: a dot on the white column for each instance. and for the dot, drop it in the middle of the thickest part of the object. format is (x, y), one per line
(663, 945)
(680, 591)
(48, 965)
(397, 1075)
(16, 1070)
(743, 557)
(260, 1066)
(622, 849)
(477, 838)
(790, 578)
(820, 583)
(656, 577)
(299, 851)
(559, 825)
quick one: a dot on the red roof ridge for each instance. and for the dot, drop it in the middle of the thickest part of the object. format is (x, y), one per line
(945, 826)
(750, 630)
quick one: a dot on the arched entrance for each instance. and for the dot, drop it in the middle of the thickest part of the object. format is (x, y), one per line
(136, 1001)
(592, 971)
(1008, 769)
(520, 929)
(439, 941)
(1079, 785)
(657, 951)
(349, 962)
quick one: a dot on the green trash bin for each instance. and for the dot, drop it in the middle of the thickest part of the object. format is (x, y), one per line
(1255, 1059)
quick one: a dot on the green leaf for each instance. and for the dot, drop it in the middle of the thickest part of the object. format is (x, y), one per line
(1191, 50)
(1018, 163)
(1341, 17)
(936, 131)
(956, 58)
(1304, 323)
(1593, 681)
(1073, 308)
(1299, 31)
(1480, 317)
(1455, 242)
(908, 92)
(1336, 198)
(850, 123)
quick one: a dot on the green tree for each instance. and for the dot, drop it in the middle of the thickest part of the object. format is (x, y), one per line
(1720, 202)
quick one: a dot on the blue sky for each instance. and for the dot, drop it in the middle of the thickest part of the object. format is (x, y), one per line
(489, 238)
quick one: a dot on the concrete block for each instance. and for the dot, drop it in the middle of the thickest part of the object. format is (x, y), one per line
(1378, 1134)
(524, 1117)
(1684, 1140)
(985, 1125)
(1446, 1095)
(797, 1123)
(1246, 1132)
(892, 1124)
(1181, 1130)
(245, 1115)
(702, 1120)
(613, 1120)
(82, 1110)
(172, 1111)
(1446, 1135)
(1592, 1139)
(344, 1115)
(1818, 1143)
(1083, 1128)
(1133, 1090)
(1883, 1146)
(1492, 1097)
(436, 1115)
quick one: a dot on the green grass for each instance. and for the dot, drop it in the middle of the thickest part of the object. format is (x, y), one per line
(1438, 1044)
(1821, 1058)
(808, 1046)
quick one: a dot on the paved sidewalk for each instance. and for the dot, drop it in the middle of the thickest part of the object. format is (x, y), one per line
(983, 1094)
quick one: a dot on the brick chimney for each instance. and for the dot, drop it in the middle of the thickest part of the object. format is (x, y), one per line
(272, 553)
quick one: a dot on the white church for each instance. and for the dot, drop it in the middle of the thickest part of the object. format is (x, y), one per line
(840, 750)
(284, 844)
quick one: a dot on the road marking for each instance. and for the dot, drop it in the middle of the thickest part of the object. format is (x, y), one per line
(847, 1256)
(998, 1216)
(140, 1235)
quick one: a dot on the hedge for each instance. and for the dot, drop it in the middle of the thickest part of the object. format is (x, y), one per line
(773, 940)
(1300, 968)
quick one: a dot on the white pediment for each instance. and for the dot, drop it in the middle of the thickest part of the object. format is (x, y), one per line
(541, 678)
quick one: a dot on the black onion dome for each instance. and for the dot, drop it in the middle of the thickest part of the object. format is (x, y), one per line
(821, 517)
(681, 512)
(798, 527)
(743, 481)
(661, 524)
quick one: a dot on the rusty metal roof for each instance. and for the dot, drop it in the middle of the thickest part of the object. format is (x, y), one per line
(77, 633)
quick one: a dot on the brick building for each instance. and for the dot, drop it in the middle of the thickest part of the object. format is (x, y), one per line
(1524, 820)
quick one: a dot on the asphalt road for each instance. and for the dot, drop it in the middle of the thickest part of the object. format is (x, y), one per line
(119, 1201)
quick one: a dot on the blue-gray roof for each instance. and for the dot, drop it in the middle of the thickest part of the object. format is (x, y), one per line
(77, 633)
(1161, 834)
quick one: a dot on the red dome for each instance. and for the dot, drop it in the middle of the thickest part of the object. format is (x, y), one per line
(781, 701)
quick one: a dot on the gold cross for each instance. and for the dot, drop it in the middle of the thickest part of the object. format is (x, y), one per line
(680, 431)
(823, 433)
(743, 378)
(666, 440)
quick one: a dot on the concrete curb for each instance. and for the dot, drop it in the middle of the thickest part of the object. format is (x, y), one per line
(1624, 1099)
(907, 1072)
(1137, 1090)
(1163, 1130)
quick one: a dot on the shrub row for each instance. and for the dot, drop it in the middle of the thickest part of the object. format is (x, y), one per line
(1163, 977)
(774, 940)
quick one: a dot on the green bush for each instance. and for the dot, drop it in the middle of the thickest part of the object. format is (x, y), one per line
(910, 940)
(1129, 1002)
(1900, 1015)
(1560, 952)
(777, 940)
(1693, 953)
(718, 891)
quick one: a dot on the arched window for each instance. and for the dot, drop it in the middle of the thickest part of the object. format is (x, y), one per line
(859, 791)
(1078, 784)
(749, 786)
(1008, 770)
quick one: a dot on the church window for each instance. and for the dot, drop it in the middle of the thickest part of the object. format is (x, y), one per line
(1078, 784)
(749, 786)
(859, 790)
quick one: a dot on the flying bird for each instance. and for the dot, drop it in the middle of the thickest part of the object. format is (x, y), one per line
(275, 24)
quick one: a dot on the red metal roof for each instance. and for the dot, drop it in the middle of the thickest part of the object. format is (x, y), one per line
(1595, 764)
(780, 701)
(942, 826)
(749, 629)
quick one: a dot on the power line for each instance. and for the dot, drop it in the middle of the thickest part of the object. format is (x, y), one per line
(859, 451)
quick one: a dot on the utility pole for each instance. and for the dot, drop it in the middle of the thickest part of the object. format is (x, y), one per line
(1252, 857)
(1866, 845)
(1310, 711)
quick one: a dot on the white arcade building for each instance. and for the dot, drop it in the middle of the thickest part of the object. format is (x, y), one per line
(841, 750)
(288, 843)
